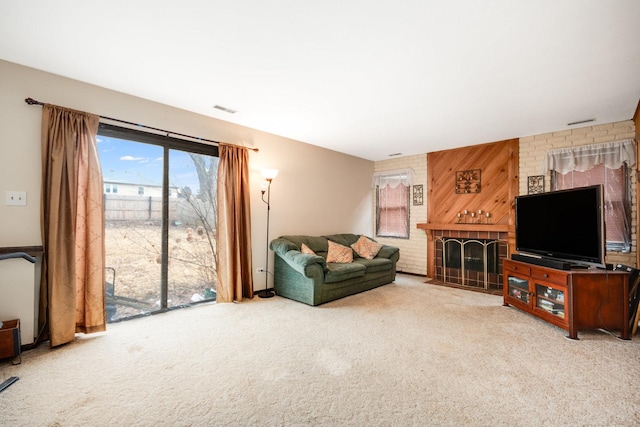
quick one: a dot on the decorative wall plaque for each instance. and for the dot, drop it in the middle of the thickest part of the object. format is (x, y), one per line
(535, 184)
(418, 197)
(468, 181)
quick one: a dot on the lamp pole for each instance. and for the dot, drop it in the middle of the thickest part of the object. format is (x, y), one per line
(266, 292)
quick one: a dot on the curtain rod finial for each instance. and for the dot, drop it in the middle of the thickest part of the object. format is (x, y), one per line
(32, 101)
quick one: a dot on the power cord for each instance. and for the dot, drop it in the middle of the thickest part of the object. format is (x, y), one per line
(602, 303)
(610, 333)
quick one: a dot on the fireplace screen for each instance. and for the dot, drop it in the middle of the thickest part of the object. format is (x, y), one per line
(470, 262)
(474, 252)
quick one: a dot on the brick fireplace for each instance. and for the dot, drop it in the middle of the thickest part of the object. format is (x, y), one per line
(467, 255)
(470, 258)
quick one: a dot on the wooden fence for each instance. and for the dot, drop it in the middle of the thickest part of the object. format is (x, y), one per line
(148, 208)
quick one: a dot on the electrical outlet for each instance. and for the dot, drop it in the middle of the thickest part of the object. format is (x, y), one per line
(16, 198)
(260, 270)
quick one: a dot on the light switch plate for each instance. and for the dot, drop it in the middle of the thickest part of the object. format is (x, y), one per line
(16, 198)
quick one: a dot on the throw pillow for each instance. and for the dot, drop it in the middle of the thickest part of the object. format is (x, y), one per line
(306, 250)
(366, 248)
(338, 253)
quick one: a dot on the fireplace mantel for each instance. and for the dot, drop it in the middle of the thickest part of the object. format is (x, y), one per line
(427, 227)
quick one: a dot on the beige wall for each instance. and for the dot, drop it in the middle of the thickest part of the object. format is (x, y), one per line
(318, 191)
(534, 148)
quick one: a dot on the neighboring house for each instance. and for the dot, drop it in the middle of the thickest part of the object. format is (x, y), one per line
(129, 189)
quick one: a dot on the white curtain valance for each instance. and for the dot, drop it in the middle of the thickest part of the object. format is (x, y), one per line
(583, 158)
(393, 178)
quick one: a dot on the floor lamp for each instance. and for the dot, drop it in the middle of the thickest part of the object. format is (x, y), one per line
(269, 175)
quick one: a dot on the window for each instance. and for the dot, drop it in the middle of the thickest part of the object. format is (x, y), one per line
(392, 202)
(608, 164)
(140, 191)
(617, 203)
(392, 216)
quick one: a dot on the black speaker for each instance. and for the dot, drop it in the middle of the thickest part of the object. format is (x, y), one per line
(544, 262)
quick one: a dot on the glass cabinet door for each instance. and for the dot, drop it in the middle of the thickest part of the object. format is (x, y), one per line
(551, 300)
(518, 288)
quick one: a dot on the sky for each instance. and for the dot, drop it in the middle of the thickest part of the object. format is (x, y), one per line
(138, 163)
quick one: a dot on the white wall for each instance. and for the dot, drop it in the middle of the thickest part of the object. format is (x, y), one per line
(18, 295)
(318, 191)
(413, 251)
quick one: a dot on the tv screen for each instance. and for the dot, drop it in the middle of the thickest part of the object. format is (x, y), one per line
(565, 224)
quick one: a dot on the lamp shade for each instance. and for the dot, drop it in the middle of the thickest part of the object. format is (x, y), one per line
(269, 173)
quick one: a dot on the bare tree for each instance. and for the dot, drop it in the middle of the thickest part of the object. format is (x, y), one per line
(204, 206)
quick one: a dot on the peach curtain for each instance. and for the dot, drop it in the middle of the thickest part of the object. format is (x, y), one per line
(72, 296)
(235, 276)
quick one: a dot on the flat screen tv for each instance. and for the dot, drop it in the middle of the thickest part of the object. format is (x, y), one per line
(566, 225)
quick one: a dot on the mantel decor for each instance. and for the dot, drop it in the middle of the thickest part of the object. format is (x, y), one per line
(468, 181)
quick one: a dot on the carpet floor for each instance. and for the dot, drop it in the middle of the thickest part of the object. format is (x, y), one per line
(405, 354)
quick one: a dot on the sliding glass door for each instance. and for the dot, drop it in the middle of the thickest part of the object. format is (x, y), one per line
(192, 219)
(160, 221)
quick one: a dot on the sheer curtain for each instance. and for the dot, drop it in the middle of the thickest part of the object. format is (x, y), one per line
(393, 178)
(610, 154)
(235, 276)
(72, 288)
(607, 164)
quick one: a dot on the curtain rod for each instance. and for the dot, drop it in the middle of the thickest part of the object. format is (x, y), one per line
(32, 101)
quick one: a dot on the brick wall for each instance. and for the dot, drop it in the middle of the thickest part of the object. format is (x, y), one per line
(413, 251)
(534, 148)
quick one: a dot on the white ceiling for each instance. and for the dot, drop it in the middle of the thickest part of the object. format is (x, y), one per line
(364, 77)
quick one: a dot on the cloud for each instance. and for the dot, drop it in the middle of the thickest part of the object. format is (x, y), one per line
(131, 158)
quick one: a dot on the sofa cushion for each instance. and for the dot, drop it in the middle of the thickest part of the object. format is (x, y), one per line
(306, 250)
(338, 253)
(366, 248)
(317, 244)
(337, 272)
(387, 251)
(344, 239)
(375, 265)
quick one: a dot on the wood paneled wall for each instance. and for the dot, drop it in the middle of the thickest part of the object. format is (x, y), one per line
(498, 163)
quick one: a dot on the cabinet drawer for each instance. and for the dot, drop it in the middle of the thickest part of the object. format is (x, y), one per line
(549, 276)
(522, 269)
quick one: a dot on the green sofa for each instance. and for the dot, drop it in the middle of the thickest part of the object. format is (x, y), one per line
(312, 280)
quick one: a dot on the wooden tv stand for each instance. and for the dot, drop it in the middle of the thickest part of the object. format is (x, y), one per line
(570, 299)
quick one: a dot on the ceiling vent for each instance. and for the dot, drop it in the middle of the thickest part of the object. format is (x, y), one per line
(225, 109)
(579, 122)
